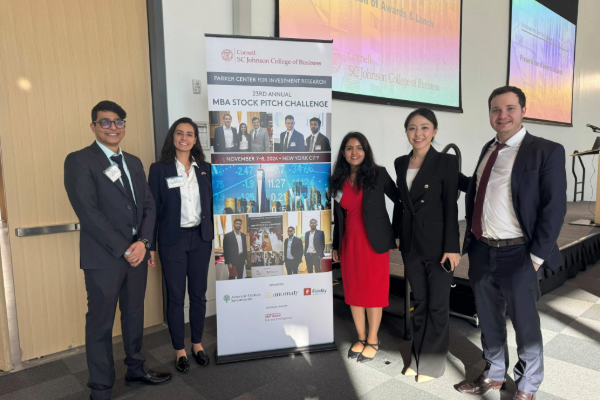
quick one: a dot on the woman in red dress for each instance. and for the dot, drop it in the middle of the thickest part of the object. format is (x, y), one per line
(362, 237)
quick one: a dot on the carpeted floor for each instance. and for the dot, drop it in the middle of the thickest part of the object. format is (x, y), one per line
(571, 328)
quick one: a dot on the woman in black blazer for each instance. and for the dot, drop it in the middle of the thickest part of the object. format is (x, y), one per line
(426, 221)
(362, 237)
(182, 189)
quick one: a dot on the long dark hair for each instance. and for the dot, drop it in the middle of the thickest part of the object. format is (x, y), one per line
(367, 174)
(167, 153)
(243, 123)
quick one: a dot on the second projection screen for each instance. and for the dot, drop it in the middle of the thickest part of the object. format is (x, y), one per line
(397, 50)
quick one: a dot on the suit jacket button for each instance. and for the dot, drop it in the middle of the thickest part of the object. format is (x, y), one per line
(426, 186)
(422, 201)
(129, 207)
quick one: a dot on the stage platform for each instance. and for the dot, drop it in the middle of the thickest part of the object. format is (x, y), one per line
(579, 247)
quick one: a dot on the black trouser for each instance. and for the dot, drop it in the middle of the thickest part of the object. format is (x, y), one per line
(430, 284)
(187, 260)
(312, 260)
(504, 280)
(240, 265)
(105, 287)
(292, 266)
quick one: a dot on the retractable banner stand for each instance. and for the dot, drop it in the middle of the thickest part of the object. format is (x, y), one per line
(270, 128)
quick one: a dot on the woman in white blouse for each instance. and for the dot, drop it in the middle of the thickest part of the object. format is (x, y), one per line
(182, 189)
(426, 222)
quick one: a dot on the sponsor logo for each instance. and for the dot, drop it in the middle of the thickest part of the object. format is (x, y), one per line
(276, 317)
(314, 292)
(307, 291)
(244, 297)
(276, 284)
(270, 295)
(267, 316)
(227, 55)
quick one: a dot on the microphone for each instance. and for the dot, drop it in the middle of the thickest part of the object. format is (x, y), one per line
(593, 127)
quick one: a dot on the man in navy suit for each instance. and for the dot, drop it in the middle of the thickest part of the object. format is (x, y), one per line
(226, 138)
(314, 247)
(292, 252)
(291, 140)
(516, 203)
(234, 247)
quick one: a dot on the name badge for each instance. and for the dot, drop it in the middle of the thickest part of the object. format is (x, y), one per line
(338, 196)
(293, 144)
(317, 147)
(175, 182)
(113, 172)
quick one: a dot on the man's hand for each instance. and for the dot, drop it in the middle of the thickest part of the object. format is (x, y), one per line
(536, 266)
(336, 258)
(151, 262)
(136, 251)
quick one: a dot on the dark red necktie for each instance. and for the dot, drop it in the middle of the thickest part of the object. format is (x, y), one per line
(477, 227)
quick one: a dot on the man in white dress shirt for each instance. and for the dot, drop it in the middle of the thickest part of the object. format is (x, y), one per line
(235, 250)
(226, 138)
(317, 142)
(314, 247)
(516, 203)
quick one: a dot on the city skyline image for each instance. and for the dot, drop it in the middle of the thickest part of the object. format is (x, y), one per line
(247, 189)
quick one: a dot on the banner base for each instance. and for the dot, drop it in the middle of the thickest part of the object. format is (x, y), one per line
(274, 353)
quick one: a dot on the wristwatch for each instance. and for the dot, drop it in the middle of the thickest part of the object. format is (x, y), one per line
(146, 243)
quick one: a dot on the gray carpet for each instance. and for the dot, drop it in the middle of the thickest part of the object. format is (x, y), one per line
(570, 325)
(568, 234)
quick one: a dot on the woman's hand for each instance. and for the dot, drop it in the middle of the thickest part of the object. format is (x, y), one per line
(151, 262)
(336, 258)
(453, 257)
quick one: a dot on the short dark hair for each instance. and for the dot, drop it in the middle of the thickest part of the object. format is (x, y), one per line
(424, 112)
(317, 120)
(167, 153)
(227, 115)
(508, 89)
(256, 118)
(289, 117)
(313, 219)
(236, 220)
(107, 105)
(292, 228)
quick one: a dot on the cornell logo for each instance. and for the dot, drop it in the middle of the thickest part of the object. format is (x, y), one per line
(227, 55)
(226, 298)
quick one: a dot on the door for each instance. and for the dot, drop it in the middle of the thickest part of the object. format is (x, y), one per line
(60, 58)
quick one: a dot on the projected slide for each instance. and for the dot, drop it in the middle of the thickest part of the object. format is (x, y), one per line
(402, 50)
(542, 55)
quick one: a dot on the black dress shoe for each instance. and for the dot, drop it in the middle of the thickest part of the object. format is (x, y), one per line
(201, 357)
(355, 354)
(182, 364)
(151, 378)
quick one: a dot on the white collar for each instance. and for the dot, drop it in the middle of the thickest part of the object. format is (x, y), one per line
(179, 165)
(516, 139)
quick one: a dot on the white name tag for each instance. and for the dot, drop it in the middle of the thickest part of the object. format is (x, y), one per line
(113, 172)
(338, 196)
(317, 147)
(293, 144)
(175, 182)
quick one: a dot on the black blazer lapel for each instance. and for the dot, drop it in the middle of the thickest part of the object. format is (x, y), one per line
(522, 156)
(425, 172)
(401, 178)
(172, 171)
(104, 163)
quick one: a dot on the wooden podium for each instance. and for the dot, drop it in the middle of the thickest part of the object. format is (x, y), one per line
(588, 222)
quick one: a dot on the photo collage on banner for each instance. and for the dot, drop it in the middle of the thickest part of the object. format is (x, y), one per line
(270, 133)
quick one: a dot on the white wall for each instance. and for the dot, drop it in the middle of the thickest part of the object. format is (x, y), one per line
(484, 67)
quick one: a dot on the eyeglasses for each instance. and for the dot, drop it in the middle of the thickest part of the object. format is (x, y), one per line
(106, 123)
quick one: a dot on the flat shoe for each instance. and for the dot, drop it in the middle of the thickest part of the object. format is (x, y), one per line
(182, 364)
(201, 357)
(362, 358)
(355, 354)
